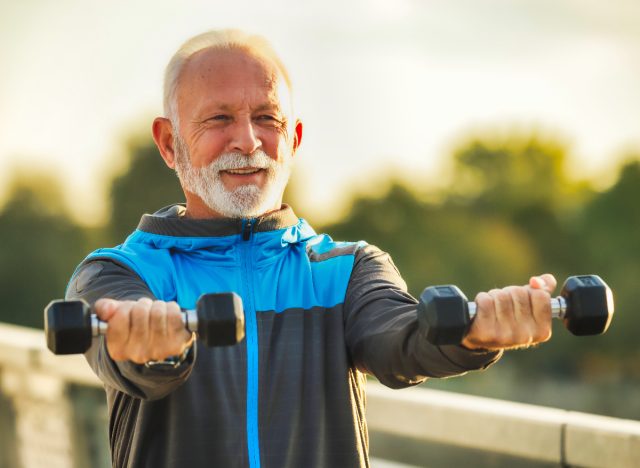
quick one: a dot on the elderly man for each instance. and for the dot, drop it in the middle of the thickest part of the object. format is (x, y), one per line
(319, 314)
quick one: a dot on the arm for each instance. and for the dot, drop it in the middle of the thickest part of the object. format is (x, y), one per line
(381, 327)
(100, 279)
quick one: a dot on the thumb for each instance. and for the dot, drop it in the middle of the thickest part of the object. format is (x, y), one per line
(546, 282)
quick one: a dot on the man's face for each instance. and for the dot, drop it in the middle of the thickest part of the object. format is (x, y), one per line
(233, 151)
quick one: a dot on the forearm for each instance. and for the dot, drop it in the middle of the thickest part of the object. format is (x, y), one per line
(390, 345)
(105, 278)
(383, 333)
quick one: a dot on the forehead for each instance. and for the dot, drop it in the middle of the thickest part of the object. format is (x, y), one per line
(230, 77)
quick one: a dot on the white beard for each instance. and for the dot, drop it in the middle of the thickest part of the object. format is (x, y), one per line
(245, 201)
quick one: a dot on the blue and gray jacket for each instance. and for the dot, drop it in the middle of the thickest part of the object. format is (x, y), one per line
(319, 314)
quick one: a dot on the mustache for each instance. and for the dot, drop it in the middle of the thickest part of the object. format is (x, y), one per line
(258, 159)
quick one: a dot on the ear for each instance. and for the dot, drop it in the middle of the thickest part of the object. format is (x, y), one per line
(297, 137)
(162, 130)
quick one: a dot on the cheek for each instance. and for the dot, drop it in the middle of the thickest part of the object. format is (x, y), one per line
(277, 147)
(208, 146)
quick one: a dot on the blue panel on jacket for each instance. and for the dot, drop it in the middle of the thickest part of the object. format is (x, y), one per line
(283, 276)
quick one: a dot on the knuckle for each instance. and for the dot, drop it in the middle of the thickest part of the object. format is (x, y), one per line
(521, 297)
(116, 354)
(155, 354)
(139, 356)
(484, 302)
(503, 296)
(540, 296)
(174, 320)
(173, 306)
(139, 315)
(158, 311)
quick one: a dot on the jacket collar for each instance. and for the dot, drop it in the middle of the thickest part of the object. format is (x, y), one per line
(170, 221)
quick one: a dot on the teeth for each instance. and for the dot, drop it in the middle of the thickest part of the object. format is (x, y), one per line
(242, 171)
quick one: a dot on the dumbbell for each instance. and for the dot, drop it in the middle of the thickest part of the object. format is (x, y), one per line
(585, 305)
(218, 319)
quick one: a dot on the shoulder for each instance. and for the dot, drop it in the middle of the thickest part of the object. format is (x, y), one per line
(322, 247)
(103, 277)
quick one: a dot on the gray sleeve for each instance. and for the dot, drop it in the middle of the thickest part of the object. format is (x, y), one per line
(382, 333)
(106, 278)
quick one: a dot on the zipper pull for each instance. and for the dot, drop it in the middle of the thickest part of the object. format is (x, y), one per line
(247, 227)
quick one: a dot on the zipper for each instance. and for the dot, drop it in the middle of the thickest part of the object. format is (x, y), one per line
(251, 330)
(247, 229)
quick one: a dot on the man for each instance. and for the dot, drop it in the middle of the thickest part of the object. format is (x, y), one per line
(319, 314)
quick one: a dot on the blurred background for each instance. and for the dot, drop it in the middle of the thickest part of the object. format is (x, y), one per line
(477, 142)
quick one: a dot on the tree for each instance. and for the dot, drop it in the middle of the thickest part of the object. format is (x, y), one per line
(434, 244)
(524, 181)
(39, 249)
(611, 228)
(146, 185)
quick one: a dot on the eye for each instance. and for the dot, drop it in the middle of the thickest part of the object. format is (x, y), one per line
(270, 120)
(218, 118)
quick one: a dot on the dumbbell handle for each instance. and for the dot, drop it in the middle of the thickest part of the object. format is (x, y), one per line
(189, 318)
(558, 308)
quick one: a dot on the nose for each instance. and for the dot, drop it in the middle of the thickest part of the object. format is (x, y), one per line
(244, 139)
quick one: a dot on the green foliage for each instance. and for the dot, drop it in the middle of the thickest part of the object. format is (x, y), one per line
(39, 248)
(432, 244)
(146, 186)
(511, 174)
(525, 182)
(611, 228)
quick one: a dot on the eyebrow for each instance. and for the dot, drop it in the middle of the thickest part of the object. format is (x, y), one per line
(262, 107)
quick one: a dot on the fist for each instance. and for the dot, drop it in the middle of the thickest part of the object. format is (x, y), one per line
(512, 317)
(143, 330)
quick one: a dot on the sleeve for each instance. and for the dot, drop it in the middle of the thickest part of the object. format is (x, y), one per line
(106, 278)
(382, 332)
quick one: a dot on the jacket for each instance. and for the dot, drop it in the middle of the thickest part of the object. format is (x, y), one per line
(320, 315)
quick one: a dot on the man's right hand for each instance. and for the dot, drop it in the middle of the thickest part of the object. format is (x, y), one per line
(143, 330)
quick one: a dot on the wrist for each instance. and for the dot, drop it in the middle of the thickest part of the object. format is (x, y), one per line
(173, 362)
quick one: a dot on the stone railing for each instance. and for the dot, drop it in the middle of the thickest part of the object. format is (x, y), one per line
(53, 415)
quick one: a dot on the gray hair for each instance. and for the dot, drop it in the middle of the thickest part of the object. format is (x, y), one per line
(221, 39)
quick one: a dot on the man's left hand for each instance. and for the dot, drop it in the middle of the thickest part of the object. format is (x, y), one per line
(512, 317)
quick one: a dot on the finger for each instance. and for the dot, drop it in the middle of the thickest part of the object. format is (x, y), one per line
(550, 281)
(546, 281)
(525, 325)
(105, 308)
(483, 327)
(541, 311)
(138, 343)
(179, 336)
(158, 333)
(506, 322)
(118, 332)
(503, 305)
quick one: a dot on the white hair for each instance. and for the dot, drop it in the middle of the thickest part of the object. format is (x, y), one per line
(228, 39)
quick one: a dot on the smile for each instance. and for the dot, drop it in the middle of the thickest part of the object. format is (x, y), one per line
(243, 171)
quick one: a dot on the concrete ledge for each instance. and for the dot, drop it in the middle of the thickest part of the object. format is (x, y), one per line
(516, 429)
(25, 348)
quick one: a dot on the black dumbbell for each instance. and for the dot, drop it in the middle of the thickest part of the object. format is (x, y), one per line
(585, 305)
(69, 325)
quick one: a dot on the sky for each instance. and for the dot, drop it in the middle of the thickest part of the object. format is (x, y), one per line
(382, 86)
